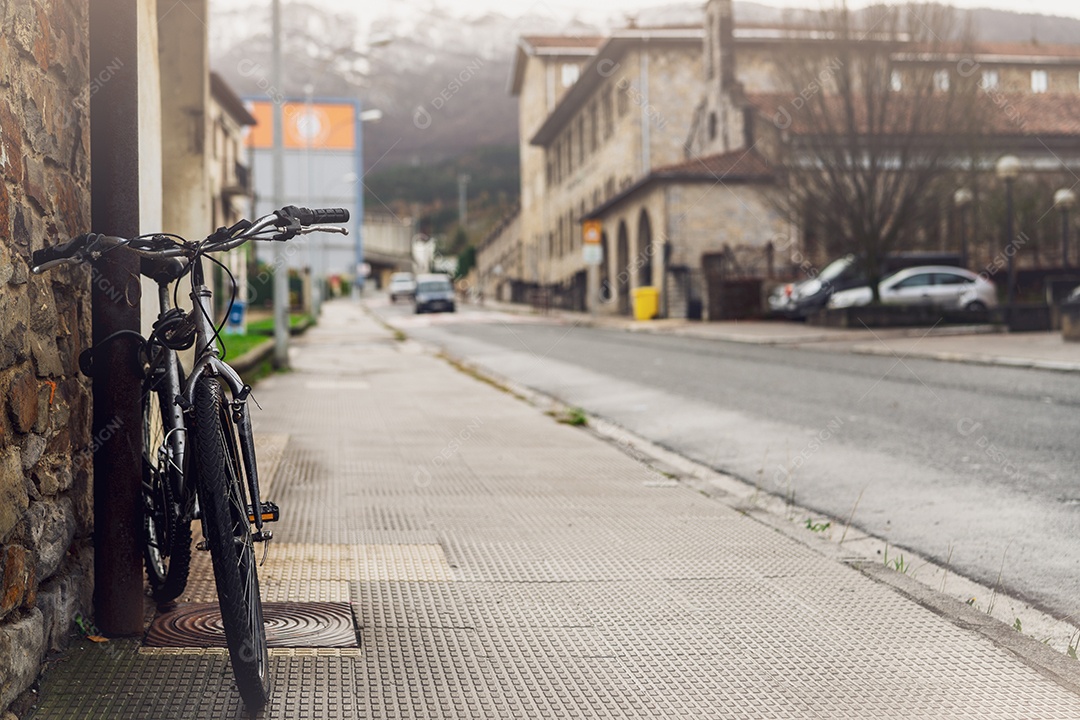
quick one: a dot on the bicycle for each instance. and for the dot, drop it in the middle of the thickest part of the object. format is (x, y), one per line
(198, 448)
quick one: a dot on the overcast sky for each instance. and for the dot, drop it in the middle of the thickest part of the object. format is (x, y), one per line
(1068, 8)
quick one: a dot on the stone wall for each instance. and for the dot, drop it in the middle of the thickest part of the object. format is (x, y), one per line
(46, 499)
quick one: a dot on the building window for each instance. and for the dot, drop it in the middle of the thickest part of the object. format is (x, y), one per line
(570, 74)
(1039, 81)
(569, 150)
(609, 114)
(712, 126)
(594, 129)
(581, 140)
(624, 100)
(941, 80)
(990, 80)
(896, 81)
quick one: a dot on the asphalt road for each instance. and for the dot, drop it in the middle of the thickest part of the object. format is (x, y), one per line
(972, 466)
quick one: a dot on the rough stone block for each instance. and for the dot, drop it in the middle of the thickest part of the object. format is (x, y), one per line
(11, 147)
(59, 600)
(14, 499)
(34, 184)
(22, 646)
(18, 579)
(23, 401)
(52, 528)
(33, 447)
(46, 356)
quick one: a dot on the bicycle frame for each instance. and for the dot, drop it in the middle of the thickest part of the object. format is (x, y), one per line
(208, 360)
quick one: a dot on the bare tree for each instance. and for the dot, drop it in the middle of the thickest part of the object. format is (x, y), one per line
(880, 112)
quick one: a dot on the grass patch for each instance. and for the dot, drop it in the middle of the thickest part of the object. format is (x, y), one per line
(265, 326)
(237, 345)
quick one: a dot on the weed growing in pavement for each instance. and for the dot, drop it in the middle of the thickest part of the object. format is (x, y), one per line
(899, 564)
(573, 416)
(1074, 641)
(948, 561)
(997, 583)
(400, 336)
(847, 525)
(1018, 626)
(817, 526)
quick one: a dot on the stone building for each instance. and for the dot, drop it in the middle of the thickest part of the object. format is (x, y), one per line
(229, 178)
(680, 178)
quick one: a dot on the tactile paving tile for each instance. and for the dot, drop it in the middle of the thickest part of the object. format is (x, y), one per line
(118, 681)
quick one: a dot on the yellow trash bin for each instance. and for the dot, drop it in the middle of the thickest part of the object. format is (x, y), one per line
(646, 302)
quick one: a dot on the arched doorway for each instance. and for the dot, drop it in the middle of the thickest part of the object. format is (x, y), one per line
(622, 269)
(645, 249)
(607, 293)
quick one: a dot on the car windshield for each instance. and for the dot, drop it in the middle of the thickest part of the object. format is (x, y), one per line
(401, 277)
(835, 269)
(432, 286)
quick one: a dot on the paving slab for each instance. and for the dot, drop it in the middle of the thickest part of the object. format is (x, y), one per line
(499, 564)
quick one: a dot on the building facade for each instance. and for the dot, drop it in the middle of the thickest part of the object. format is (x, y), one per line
(668, 138)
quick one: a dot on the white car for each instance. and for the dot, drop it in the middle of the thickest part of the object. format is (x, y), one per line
(942, 286)
(402, 285)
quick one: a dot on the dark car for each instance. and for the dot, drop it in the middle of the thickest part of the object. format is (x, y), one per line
(434, 293)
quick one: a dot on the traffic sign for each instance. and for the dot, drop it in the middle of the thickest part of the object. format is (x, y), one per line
(592, 230)
(593, 253)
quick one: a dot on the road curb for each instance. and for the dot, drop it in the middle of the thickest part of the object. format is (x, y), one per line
(972, 359)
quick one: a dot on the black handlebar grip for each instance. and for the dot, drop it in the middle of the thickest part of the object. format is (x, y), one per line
(60, 252)
(318, 216)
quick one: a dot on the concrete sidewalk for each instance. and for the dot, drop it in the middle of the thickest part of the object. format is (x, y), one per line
(499, 564)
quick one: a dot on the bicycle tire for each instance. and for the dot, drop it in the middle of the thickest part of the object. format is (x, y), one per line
(166, 518)
(228, 535)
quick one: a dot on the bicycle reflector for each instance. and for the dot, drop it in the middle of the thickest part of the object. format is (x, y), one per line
(270, 512)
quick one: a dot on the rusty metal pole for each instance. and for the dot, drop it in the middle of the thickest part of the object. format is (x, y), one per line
(114, 178)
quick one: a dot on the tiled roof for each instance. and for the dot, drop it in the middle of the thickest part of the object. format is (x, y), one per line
(741, 164)
(1024, 114)
(564, 41)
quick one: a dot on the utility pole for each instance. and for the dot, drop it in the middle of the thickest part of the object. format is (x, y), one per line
(281, 270)
(463, 205)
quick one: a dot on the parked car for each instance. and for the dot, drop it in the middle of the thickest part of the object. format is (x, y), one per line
(942, 286)
(402, 285)
(800, 299)
(434, 292)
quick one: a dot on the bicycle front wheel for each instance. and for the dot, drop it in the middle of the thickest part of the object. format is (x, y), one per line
(222, 499)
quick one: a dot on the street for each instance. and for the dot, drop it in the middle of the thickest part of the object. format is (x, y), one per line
(972, 467)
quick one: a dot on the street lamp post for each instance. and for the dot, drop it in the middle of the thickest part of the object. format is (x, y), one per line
(362, 117)
(1065, 200)
(962, 199)
(1008, 168)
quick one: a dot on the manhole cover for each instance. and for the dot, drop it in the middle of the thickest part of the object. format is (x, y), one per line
(296, 625)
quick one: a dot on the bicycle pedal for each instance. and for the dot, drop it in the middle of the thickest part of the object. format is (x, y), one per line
(270, 512)
(202, 545)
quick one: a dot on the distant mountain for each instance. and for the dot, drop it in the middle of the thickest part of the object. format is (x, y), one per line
(441, 82)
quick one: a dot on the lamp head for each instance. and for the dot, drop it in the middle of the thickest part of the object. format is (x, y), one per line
(1008, 167)
(1065, 199)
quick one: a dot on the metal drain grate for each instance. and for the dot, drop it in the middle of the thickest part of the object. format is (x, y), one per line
(295, 625)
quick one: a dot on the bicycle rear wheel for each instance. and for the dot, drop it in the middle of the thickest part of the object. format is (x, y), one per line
(166, 517)
(223, 504)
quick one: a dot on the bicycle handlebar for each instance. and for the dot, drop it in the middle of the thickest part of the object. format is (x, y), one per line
(307, 216)
(285, 223)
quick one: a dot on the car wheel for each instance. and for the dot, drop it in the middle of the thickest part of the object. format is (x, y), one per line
(975, 306)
